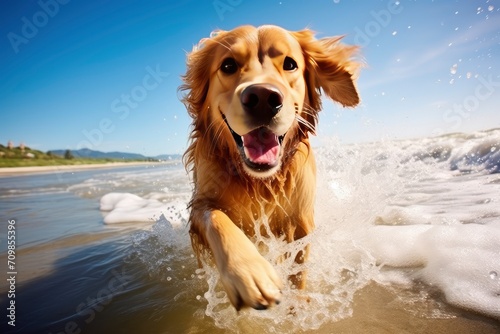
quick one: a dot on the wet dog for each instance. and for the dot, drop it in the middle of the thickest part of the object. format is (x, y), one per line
(254, 96)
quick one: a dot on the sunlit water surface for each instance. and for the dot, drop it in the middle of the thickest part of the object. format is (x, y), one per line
(407, 240)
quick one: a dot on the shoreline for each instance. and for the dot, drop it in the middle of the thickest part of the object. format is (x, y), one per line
(31, 170)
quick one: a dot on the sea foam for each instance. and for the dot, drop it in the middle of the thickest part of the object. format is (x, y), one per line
(130, 208)
(400, 213)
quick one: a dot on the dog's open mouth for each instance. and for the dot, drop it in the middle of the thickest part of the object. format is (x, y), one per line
(260, 148)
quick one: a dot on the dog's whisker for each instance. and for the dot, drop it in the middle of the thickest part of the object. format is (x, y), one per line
(306, 123)
(226, 46)
(310, 119)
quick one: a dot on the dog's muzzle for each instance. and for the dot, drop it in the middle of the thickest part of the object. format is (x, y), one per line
(260, 148)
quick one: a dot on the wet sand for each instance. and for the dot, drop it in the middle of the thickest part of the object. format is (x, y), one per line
(378, 309)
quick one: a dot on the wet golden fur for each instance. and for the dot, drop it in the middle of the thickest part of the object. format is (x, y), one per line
(227, 200)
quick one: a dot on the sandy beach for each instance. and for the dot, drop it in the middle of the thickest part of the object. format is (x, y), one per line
(16, 171)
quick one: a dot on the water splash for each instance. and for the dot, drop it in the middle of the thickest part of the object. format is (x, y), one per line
(377, 209)
(332, 283)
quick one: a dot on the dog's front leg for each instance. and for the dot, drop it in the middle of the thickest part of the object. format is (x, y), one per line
(247, 277)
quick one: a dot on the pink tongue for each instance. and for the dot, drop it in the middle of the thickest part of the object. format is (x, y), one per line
(261, 146)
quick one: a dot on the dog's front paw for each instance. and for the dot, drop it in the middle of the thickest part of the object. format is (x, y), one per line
(250, 280)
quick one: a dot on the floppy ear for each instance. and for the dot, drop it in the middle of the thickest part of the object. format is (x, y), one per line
(197, 74)
(329, 67)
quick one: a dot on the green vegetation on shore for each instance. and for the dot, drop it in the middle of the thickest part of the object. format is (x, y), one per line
(25, 157)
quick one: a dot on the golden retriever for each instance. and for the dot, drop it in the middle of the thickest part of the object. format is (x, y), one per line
(254, 96)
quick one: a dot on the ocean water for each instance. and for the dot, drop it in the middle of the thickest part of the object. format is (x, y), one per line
(407, 240)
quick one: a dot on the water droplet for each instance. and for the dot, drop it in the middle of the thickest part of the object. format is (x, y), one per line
(394, 33)
(490, 8)
(336, 1)
(453, 69)
(198, 297)
(493, 149)
(469, 75)
(493, 274)
(169, 278)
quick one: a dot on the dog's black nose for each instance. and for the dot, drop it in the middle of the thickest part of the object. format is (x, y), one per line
(263, 101)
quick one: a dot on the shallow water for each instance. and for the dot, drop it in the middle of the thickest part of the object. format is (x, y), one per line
(407, 241)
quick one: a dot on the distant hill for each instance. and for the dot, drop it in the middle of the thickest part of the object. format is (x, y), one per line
(21, 152)
(23, 156)
(87, 153)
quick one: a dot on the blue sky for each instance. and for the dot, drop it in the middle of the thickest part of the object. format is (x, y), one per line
(104, 74)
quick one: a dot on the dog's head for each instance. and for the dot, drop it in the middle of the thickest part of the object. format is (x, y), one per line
(256, 90)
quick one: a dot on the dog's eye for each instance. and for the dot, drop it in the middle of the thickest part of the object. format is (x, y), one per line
(229, 66)
(289, 64)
